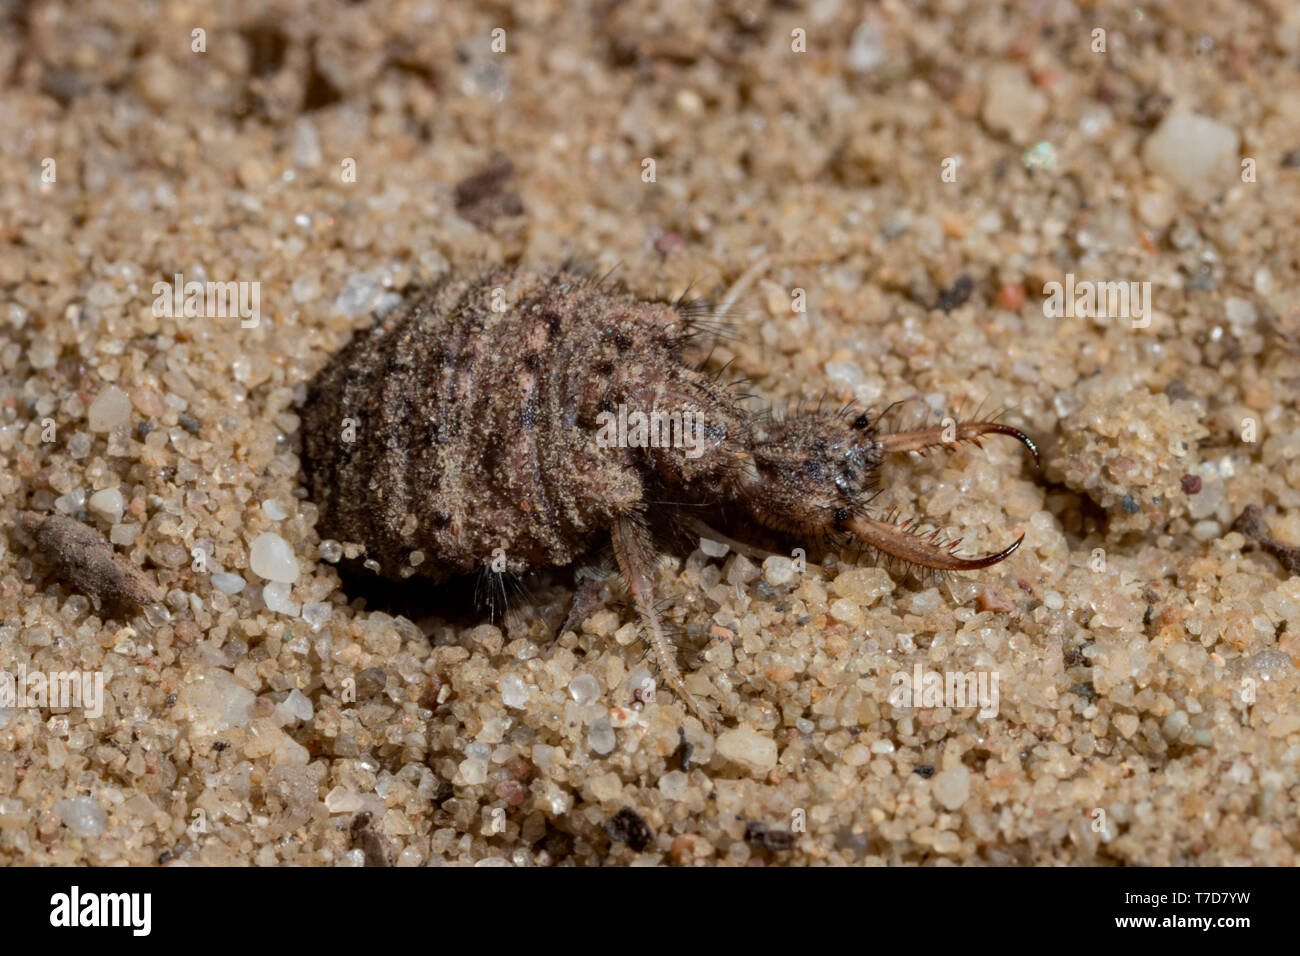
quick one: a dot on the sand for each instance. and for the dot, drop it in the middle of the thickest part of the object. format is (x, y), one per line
(955, 161)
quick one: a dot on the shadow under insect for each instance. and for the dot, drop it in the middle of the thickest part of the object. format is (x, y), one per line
(539, 600)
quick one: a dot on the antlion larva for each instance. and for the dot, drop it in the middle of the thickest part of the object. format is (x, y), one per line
(467, 429)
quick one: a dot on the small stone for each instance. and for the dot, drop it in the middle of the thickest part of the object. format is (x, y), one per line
(514, 692)
(110, 409)
(847, 372)
(305, 144)
(1193, 152)
(42, 354)
(866, 48)
(1174, 725)
(123, 534)
(846, 612)
(673, 784)
(1127, 724)
(108, 505)
(147, 402)
(603, 623)
(668, 243)
(751, 750)
(778, 570)
(1011, 295)
(768, 837)
(371, 682)
(82, 815)
(628, 826)
(272, 558)
(156, 81)
(341, 800)
(993, 600)
(600, 736)
(472, 771)
(952, 787)
(360, 294)
(297, 705)
(1011, 103)
(277, 599)
(947, 843)
(1207, 530)
(642, 684)
(1157, 207)
(79, 445)
(1191, 484)
(72, 502)
(863, 586)
(584, 689)
(228, 583)
(606, 786)
(252, 173)
(330, 550)
(316, 613)
(714, 549)
(214, 702)
(741, 571)
(273, 510)
(1240, 313)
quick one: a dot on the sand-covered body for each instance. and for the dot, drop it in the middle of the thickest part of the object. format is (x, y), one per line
(473, 413)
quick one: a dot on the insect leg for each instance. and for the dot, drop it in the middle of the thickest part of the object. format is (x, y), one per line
(586, 598)
(634, 549)
(704, 530)
(771, 260)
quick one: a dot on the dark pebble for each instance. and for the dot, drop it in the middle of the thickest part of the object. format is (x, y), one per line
(486, 196)
(949, 299)
(768, 837)
(370, 682)
(1075, 657)
(628, 826)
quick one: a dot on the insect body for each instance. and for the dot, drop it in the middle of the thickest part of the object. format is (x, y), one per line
(471, 426)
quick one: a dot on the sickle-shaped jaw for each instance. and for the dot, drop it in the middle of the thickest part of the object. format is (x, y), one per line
(898, 542)
(934, 437)
(926, 550)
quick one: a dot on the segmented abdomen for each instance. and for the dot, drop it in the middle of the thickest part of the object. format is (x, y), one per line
(469, 413)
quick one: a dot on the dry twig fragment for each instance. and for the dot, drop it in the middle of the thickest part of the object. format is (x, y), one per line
(1251, 525)
(86, 559)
